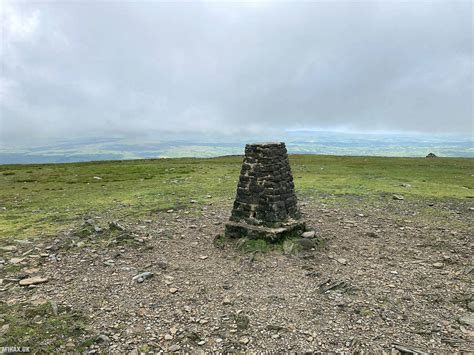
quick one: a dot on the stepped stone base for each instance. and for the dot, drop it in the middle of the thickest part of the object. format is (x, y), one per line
(239, 230)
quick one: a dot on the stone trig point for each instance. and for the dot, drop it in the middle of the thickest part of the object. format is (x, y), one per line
(265, 205)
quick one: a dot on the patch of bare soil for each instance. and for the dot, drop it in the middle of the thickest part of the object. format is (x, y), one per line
(380, 283)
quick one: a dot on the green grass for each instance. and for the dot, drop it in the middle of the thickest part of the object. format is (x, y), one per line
(39, 327)
(430, 178)
(254, 245)
(40, 200)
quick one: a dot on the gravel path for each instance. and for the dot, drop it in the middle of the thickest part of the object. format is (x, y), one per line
(378, 281)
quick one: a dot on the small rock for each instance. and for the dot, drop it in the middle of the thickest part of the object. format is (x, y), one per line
(226, 301)
(468, 269)
(174, 348)
(102, 338)
(39, 301)
(80, 244)
(4, 328)
(109, 262)
(203, 257)
(30, 271)
(470, 306)
(33, 281)
(341, 261)
(173, 290)
(398, 197)
(8, 248)
(115, 225)
(202, 342)
(143, 276)
(54, 307)
(306, 244)
(97, 178)
(438, 265)
(467, 319)
(170, 211)
(405, 185)
(308, 234)
(16, 260)
(168, 337)
(193, 201)
(98, 229)
(244, 340)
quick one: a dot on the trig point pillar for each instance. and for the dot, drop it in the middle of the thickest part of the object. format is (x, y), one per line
(265, 205)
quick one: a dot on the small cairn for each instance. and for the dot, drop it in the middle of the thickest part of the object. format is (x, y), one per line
(265, 206)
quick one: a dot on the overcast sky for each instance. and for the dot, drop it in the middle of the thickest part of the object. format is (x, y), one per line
(74, 69)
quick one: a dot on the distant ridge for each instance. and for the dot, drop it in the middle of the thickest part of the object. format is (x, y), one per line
(298, 142)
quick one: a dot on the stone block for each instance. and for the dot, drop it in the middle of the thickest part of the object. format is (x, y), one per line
(265, 204)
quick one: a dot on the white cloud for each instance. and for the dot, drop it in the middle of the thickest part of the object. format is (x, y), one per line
(18, 23)
(94, 68)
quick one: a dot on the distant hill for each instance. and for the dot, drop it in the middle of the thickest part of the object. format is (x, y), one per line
(298, 142)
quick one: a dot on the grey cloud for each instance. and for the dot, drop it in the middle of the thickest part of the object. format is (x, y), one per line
(72, 69)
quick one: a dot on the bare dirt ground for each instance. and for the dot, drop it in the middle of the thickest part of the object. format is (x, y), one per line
(380, 280)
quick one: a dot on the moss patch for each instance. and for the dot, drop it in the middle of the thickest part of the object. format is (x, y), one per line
(40, 328)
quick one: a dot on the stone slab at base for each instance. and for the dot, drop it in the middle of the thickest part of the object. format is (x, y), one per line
(240, 230)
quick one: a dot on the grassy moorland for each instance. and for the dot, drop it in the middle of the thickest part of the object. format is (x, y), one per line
(374, 258)
(40, 200)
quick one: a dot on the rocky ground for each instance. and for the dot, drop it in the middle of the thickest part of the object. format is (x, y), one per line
(375, 279)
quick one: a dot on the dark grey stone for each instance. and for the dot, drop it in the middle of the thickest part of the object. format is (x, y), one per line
(307, 244)
(265, 201)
